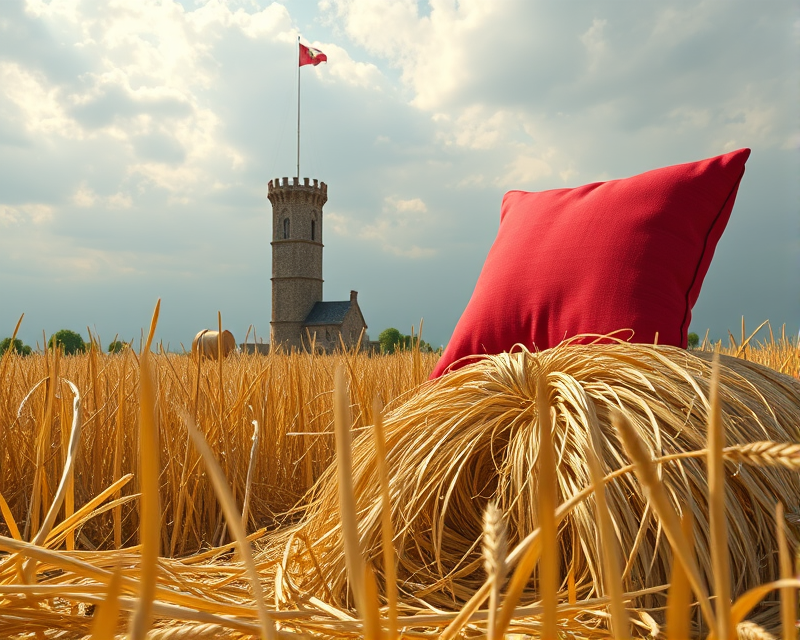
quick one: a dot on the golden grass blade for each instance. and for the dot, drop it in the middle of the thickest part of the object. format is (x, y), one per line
(150, 510)
(249, 481)
(234, 520)
(153, 323)
(679, 599)
(716, 508)
(69, 524)
(106, 618)
(372, 618)
(7, 355)
(43, 443)
(118, 437)
(472, 605)
(572, 592)
(788, 595)
(547, 482)
(9, 518)
(744, 603)
(347, 500)
(745, 342)
(620, 624)
(518, 582)
(29, 566)
(84, 569)
(387, 534)
(646, 472)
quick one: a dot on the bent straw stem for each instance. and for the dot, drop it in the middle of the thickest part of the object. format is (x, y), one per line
(387, 534)
(644, 468)
(716, 508)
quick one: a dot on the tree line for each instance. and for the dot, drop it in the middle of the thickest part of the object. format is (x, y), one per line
(69, 341)
(392, 341)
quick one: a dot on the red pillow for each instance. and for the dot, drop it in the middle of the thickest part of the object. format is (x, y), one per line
(624, 254)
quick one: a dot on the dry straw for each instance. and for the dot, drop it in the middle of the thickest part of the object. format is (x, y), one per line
(513, 431)
(471, 438)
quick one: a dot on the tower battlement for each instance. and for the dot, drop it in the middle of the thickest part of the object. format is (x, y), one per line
(292, 190)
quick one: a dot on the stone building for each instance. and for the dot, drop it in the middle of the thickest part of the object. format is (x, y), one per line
(298, 311)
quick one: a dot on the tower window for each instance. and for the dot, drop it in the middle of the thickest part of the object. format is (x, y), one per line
(286, 229)
(313, 229)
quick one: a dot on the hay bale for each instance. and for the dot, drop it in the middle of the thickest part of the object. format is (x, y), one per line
(207, 344)
(471, 436)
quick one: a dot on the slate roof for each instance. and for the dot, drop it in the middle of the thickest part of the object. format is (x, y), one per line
(327, 313)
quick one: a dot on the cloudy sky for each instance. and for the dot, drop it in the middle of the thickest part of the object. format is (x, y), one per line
(137, 139)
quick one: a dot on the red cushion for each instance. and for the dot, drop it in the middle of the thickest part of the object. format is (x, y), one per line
(624, 254)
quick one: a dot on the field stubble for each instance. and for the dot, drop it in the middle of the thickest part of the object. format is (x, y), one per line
(289, 396)
(289, 400)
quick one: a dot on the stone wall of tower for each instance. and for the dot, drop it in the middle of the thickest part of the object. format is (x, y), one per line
(296, 255)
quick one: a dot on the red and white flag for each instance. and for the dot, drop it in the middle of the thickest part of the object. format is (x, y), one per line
(309, 55)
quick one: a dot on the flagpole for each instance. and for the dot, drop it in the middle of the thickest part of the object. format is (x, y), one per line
(298, 108)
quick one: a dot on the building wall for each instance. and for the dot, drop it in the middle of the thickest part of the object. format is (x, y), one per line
(352, 326)
(327, 335)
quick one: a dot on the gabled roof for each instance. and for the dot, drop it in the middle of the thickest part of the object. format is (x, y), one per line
(327, 313)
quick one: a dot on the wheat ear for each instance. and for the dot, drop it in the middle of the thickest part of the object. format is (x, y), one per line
(495, 547)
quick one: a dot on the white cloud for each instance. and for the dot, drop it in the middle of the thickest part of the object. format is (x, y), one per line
(524, 170)
(120, 201)
(84, 196)
(399, 226)
(395, 230)
(8, 216)
(472, 180)
(37, 213)
(271, 21)
(595, 43)
(64, 9)
(429, 50)
(340, 224)
(414, 205)
(39, 106)
(341, 67)
(475, 127)
(567, 175)
(679, 22)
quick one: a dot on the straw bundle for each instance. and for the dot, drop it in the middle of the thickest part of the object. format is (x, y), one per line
(471, 438)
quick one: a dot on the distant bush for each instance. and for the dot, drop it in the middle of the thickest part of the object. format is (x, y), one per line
(116, 346)
(18, 346)
(693, 340)
(391, 341)
(69, 341)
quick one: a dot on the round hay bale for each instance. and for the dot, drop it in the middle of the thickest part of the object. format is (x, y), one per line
(471, 436)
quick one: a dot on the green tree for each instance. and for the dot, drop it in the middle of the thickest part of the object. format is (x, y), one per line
(407, 343)
(18, 346)
(693, 340)
(390, 340)
(116, 346)
(69, 341)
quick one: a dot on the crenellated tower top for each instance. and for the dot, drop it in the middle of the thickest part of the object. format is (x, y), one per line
(283, 190)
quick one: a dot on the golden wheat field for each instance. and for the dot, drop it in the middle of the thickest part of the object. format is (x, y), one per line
(584, 492)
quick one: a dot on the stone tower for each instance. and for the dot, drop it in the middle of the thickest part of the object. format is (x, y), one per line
(296, 255)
